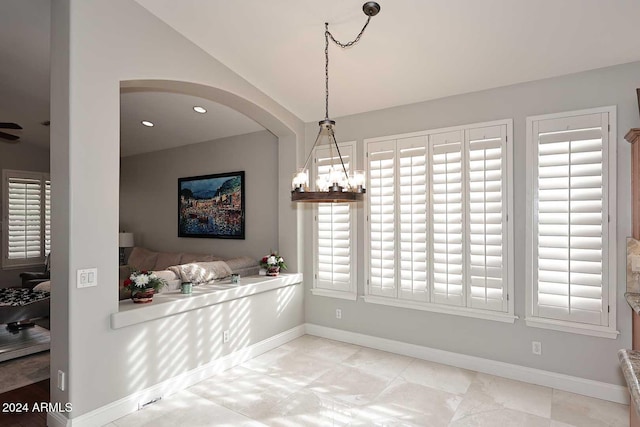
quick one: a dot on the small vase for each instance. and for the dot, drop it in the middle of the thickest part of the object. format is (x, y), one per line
(144, 296)
(186, 288)
(273, 271)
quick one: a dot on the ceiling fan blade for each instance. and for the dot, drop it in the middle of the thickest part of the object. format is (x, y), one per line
(9, 126)
(8, 137)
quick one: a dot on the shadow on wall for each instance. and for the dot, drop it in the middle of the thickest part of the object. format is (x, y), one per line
(177, 344)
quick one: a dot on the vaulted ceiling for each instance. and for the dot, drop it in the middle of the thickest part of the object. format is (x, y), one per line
(413, 51)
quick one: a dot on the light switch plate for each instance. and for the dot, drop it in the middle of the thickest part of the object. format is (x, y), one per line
(87, 277)
(635, 263)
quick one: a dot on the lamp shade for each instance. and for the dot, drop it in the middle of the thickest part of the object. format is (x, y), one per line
(125, 240)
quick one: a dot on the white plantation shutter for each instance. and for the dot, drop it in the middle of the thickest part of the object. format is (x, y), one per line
(381, 213)
(438, 236)
(26, 200)
(570, 219)
(24, 219)
(412, 200)
(334, 229)
(487, 239)
(47, 217)
(447, 217)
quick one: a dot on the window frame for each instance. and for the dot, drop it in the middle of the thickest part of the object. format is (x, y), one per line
(507, 316)
(351, 293)
(609, 203)
(43, 177)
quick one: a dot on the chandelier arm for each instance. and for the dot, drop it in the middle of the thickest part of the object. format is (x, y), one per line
(332, 136)
(306, 163)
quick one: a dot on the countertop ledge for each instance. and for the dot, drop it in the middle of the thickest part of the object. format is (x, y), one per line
(630, 364)
(633, 299)
(170, 303)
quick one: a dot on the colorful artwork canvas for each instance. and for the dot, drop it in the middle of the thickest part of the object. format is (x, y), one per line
(211, 206)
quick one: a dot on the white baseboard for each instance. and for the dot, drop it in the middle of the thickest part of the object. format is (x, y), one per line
(597, 389)
(129, 404)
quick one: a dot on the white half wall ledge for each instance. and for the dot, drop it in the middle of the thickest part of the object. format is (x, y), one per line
(129, 404)
(600, 390)
(172, 303)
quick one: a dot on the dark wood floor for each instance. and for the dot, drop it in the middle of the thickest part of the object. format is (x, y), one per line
(24, 398)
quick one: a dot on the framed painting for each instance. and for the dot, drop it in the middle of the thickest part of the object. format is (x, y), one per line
(211, 206)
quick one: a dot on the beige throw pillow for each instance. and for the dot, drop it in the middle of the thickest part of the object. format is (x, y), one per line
(240, 263)
(166, 259)
(142, 259)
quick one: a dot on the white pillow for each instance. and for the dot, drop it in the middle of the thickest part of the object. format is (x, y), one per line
(202, 272)
(44, 286)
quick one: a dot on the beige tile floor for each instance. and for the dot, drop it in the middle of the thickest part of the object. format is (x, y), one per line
(317, 382)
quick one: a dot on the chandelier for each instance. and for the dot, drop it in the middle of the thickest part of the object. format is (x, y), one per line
(337, 185)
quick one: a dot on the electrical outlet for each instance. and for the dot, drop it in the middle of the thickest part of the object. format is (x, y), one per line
(536, 347)
(61, 380)
(338, 313)
(225, 336)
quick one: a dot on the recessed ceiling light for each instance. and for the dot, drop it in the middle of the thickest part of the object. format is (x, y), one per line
(199, 109)
(147, 123)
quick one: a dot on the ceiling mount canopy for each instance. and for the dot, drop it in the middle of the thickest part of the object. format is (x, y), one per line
(338, 185)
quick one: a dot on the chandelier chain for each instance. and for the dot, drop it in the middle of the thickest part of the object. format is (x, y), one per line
(327, 35)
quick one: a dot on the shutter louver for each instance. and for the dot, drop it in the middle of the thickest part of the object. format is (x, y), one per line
(412, 157)
(447, 218)
(24, 221)
(381, 176)
(486, 218)
(571, 218)
(333, 232)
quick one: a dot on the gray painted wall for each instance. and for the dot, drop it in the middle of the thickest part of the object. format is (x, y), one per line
(571, 354)
(24, 157)
(114, 42)
(132, 44)
(149, 188)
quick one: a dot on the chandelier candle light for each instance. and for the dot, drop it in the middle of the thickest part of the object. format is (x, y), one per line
(337, 186)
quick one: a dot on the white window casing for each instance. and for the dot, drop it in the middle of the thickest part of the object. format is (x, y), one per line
(571, 238)
(26, 232)
(334, 232)
(438, 236)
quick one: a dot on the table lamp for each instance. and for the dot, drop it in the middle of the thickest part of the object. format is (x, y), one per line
(125, 241)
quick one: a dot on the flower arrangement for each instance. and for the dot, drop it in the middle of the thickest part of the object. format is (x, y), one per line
(138, 281)
(272, 261)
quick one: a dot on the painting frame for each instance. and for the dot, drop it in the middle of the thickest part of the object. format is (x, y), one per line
(212, 206)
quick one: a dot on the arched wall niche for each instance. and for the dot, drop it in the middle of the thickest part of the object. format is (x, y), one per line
(288, 242)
